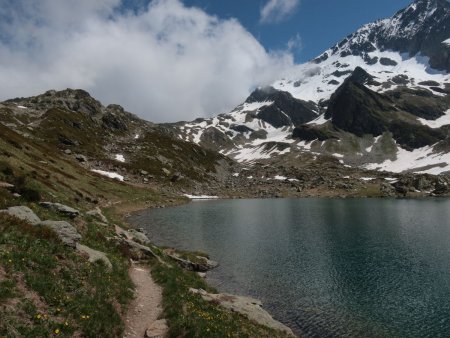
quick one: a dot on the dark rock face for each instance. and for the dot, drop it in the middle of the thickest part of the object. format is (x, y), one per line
(285, 111)
(310, 133)
(356, 109)
(215, 139)
(241, 128)
(388, 62)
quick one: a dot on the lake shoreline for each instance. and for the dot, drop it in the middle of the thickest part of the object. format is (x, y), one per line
(127, 213)
(186, 244)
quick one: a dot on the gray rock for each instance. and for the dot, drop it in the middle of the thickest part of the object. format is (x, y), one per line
(144, 173)
(157, 329)
(97, 213)
(250, 307)
(65, 231)
(6, 185)
(24, 213)
(81, 158)
(203, 265)
(138, 236)
(133, 234)
(61, 208)
(68, 151)
(94, 255)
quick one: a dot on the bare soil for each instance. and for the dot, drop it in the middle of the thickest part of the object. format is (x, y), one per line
(146, 307)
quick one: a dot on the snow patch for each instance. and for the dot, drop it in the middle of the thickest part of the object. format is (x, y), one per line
(319, 121)
(120, 158)
(438, 163)
(108, 174)
(438, 123)
(201, 197)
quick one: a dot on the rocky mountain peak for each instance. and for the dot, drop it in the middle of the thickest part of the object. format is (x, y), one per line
(419, 28)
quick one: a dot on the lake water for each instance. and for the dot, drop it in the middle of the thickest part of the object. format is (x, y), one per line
(325, 267)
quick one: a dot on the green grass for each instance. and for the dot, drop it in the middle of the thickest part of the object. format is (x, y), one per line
(50, 290)
(74, 295)
(190, 316)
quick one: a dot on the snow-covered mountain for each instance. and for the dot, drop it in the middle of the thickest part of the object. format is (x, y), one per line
(378, 99)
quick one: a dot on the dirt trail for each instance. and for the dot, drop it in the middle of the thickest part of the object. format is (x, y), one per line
(146, 307)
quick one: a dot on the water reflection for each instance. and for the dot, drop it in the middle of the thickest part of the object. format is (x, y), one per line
(327, 267)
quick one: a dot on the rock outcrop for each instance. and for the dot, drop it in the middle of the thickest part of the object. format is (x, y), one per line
(61, 208)
(94, 255)
(250, 307)
(23, 213)
(64, 230)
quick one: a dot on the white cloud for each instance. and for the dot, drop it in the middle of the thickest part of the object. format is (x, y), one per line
(294, 43)
(277, 10)
(166, 62)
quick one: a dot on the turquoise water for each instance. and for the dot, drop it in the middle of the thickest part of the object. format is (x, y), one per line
(325, 267)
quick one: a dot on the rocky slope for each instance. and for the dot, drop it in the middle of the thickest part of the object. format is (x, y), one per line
(109, 140)
(379, 99)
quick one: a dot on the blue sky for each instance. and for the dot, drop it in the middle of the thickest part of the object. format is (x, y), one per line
(318, 23)
(169, 60)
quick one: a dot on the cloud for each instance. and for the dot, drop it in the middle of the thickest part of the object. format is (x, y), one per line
(277, 10)
(165, 62)
(295, 43)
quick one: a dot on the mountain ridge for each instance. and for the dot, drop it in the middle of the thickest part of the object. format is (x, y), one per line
(399, 68)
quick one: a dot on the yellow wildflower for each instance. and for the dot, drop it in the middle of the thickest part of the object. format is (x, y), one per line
(57, 331)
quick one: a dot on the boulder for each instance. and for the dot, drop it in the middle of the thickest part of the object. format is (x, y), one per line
(81, 158)
(64, 230)
(24, 213)
(94, 255)
(61, 208)
(6, 185)
(133, 234)
(138, 236)
(97, 213)
(157, 329)
(68, 151)
(203, 264)
(250, 307)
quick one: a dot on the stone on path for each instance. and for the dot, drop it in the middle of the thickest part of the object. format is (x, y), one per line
(157, 329)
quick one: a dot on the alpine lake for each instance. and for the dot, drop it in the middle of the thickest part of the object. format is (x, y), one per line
(324, 267)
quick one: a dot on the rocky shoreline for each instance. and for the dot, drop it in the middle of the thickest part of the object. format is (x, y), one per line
(247, 306)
